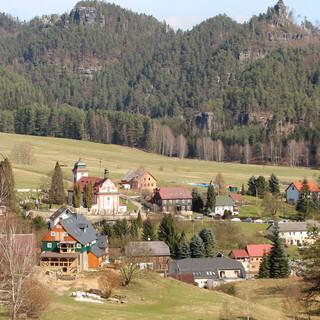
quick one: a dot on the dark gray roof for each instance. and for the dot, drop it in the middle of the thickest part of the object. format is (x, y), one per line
(59, 212)
(205, 267)
(80, 228)
(98, 252)
(133, 174)
(102, 241)
(295, 226)
(147, 249)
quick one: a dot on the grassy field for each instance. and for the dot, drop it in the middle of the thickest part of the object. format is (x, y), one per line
(118, 159)
(155, 298)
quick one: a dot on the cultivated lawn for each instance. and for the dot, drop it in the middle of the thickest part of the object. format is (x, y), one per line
(155, 298)
(169, 171)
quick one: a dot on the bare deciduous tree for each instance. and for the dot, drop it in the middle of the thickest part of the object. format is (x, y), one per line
(17, 263)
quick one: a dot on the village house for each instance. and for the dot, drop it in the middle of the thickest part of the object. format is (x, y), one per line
(152, 255)
(207, 272)
(251, 257)
(237, 199)
(295, 233)
(294, 189)
(225, 203)
(139, 179)
(106, 199)
(72, 244)
(174, 200)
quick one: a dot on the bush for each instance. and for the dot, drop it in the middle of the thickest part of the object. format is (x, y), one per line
(29, 206)
(108, 282)
(229, 289)
(227, 214)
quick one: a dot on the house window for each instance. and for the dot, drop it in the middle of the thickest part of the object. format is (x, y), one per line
(49, 245)
(53, 234)
(65, 234)
(222, 274)
(78, 246)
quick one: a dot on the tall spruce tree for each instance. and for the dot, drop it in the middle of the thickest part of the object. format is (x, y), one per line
(197, 247)
(149, 232)
(279, 264)
(168, 233)
(262, 186)
(88, 196)
(57, 194)
(274, 186)
(252, 186)
(134, 230)
(183, 250)
(264, 270)
(197, 201)
(139, 220)
(211, 197)
(304, 202)
(76, 197)
(7, 185)
(207, 237)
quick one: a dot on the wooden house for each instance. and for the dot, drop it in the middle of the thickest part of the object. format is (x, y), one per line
(153, 255)
(174, 200)
(139, 179)
(72, 245)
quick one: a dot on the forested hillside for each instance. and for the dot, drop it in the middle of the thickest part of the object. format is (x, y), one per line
(223, 91)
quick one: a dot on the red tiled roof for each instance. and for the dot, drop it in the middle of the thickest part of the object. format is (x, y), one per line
(258, 250)
(96, 183)
(239, 253)
(313, 187)
(174, 193)
(236, 197)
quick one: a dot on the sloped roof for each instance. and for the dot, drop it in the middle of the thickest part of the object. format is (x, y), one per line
(224, 201)
(135, 174)
(98, 252)
(236, 197)
(96, 183)
(174, 193)
(59, 212)
(147, 249)
(205, 267)
(258, 250)
(296, 226)
(312, 186)
(73, 225)
(239, 253)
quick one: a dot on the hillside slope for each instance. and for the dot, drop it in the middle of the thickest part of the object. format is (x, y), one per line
(169, 171)
(222, 91)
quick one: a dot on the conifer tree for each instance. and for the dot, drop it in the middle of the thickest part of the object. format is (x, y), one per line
(264, 270)
(252, 187)
(261, 185)
(274, 186)
(168, 233)
(76, 197)
(197, 247)
(208, 240)
(139, 220)
(134, 229)
(278, 261)
(183, 250)
(197, 202)
(88, 196)
(149, 232)
(57, 195)
(211, 197)
(243, 191)
(7, 185)
(304, 202)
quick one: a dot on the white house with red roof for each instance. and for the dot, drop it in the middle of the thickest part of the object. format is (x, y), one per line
(175, 200)
(251, 256)
(106, 198)
(294, 189)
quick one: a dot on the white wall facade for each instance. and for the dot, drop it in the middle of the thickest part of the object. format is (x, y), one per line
(219, 210)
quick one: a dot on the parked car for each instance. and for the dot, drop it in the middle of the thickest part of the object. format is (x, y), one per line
(258, 221)
(235, 220)
(270, 221)
(199, 217)
(249, 220)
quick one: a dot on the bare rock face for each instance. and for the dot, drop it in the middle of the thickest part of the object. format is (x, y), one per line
(87, 16)
(281, 17)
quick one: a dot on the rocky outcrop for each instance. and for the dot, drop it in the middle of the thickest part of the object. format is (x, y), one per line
(87, 16)
(248, 55)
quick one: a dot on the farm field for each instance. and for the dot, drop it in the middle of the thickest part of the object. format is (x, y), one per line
(153, 297)
(118, 159)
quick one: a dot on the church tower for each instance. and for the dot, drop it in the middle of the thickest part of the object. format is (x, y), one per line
(79, 170)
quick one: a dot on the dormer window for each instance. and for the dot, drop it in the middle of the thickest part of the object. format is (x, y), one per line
(53, 234)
